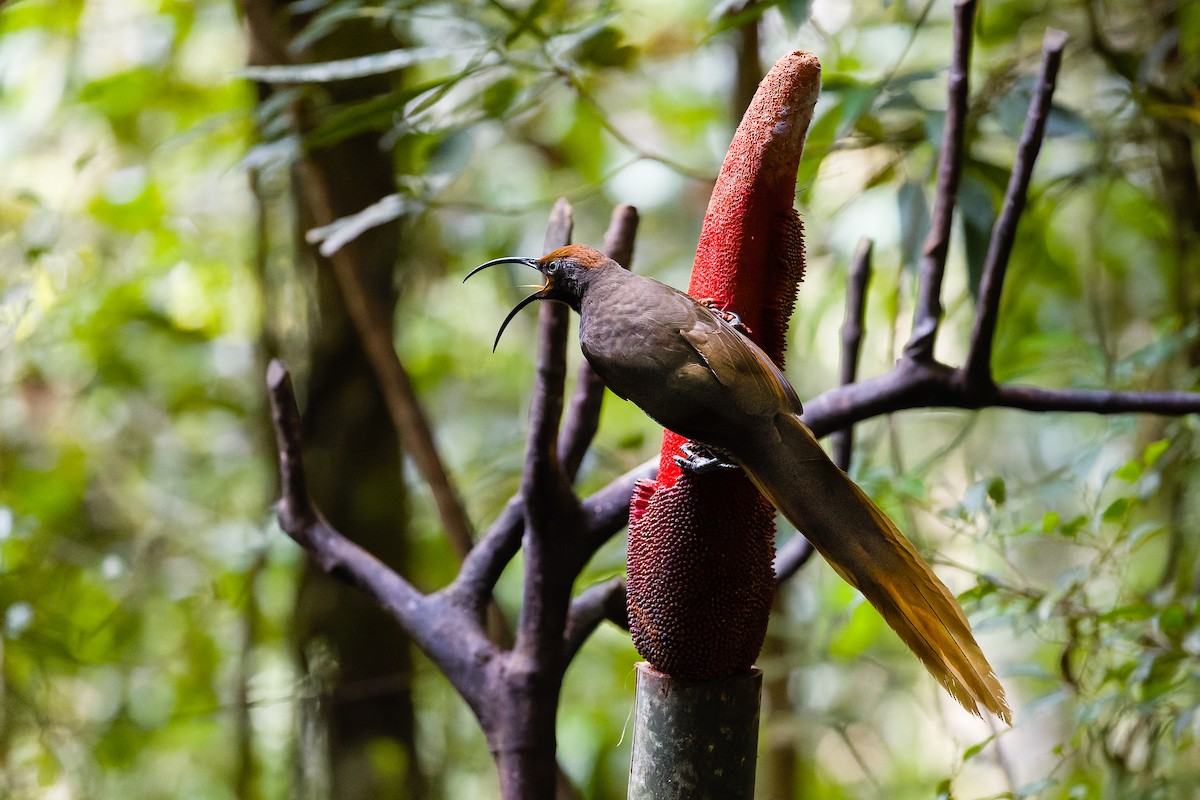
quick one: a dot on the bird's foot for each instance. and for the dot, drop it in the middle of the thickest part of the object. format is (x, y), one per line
(699, 460)
(730, 317)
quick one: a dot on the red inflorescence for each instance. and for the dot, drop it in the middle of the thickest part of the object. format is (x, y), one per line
(701, 579)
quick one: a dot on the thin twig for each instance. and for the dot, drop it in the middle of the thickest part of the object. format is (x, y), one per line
(374, 330)
(1096, 401)
(483, 566)
(977, 371)
(949, 172)
(594, 605)
(607, 511)
(852, 333)
(912, 384)
(443, 630)
(791, 557)
(548, 500)
(583, 413)
(423, 618)
(553, 320)
(301, 520)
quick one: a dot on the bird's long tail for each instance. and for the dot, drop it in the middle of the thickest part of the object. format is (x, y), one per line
(867, 549)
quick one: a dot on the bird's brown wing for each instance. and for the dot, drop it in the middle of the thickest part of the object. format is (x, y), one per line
(756, 384)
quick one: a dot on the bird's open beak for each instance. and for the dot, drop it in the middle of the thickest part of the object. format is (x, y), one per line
(529, 262)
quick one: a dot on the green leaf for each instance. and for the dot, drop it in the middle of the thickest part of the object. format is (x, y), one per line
(997, 491)
(604, 48)
(796, 12)
(1073, 527)
(977, 748)
(730, 14)
(1117, 510)
(1154, 451)
(1129, 472)
(1065, 122)
(348, 68)
(498, 97)
(1050, 521)
(340, 232)
(821, 136)
(1172, 621)
(1134, 612)
(378, 113)
(527, 22)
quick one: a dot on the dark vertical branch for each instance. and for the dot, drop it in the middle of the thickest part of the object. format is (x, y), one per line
(583, 413)
(949, 173)
(300, 520)
(523, 735)
(749, 69)
(977, 371)
(543, 484)
(852, 332)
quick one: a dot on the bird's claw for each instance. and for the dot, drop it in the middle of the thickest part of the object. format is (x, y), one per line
(731, 319)
(699, 460)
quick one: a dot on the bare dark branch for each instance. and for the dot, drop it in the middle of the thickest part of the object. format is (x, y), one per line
(583, 413)
(548, 499)
(604, 601)
(486, 561)
(1096, 401)
(606, 512)
(553, 321)
(912, 384)
(852, 333)
(977, 371)
(438, 627)
(950, 163)
(791, 557)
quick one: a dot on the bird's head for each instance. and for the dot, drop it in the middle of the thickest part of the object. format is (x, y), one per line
(566, 272)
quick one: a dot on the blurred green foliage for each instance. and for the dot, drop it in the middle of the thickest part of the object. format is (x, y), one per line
(145, 593)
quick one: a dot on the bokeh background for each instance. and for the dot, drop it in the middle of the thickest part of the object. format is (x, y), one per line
(160, 638)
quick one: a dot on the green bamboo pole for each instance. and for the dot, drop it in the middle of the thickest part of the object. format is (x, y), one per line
(694, 740)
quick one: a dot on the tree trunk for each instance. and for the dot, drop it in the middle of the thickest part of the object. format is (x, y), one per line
(358, 661)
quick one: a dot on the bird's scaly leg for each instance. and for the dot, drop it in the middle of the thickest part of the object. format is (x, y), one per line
(700, 460)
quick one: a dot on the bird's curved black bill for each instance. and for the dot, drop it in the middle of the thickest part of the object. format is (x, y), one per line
(529, 262)
(535, 296)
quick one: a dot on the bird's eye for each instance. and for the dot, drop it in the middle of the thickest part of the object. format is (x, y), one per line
(552, 268)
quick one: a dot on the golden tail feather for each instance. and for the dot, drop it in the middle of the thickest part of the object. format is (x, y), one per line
(867, 549)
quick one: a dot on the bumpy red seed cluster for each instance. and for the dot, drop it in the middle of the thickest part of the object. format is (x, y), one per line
(700, 576)
(701, 580)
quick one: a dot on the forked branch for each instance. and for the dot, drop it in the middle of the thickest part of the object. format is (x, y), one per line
(949, 173)
(977, 371)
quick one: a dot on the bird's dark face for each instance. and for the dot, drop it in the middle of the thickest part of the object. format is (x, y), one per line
(565, 271)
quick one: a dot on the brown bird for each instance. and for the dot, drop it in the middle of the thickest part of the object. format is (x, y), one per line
(689, 368)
